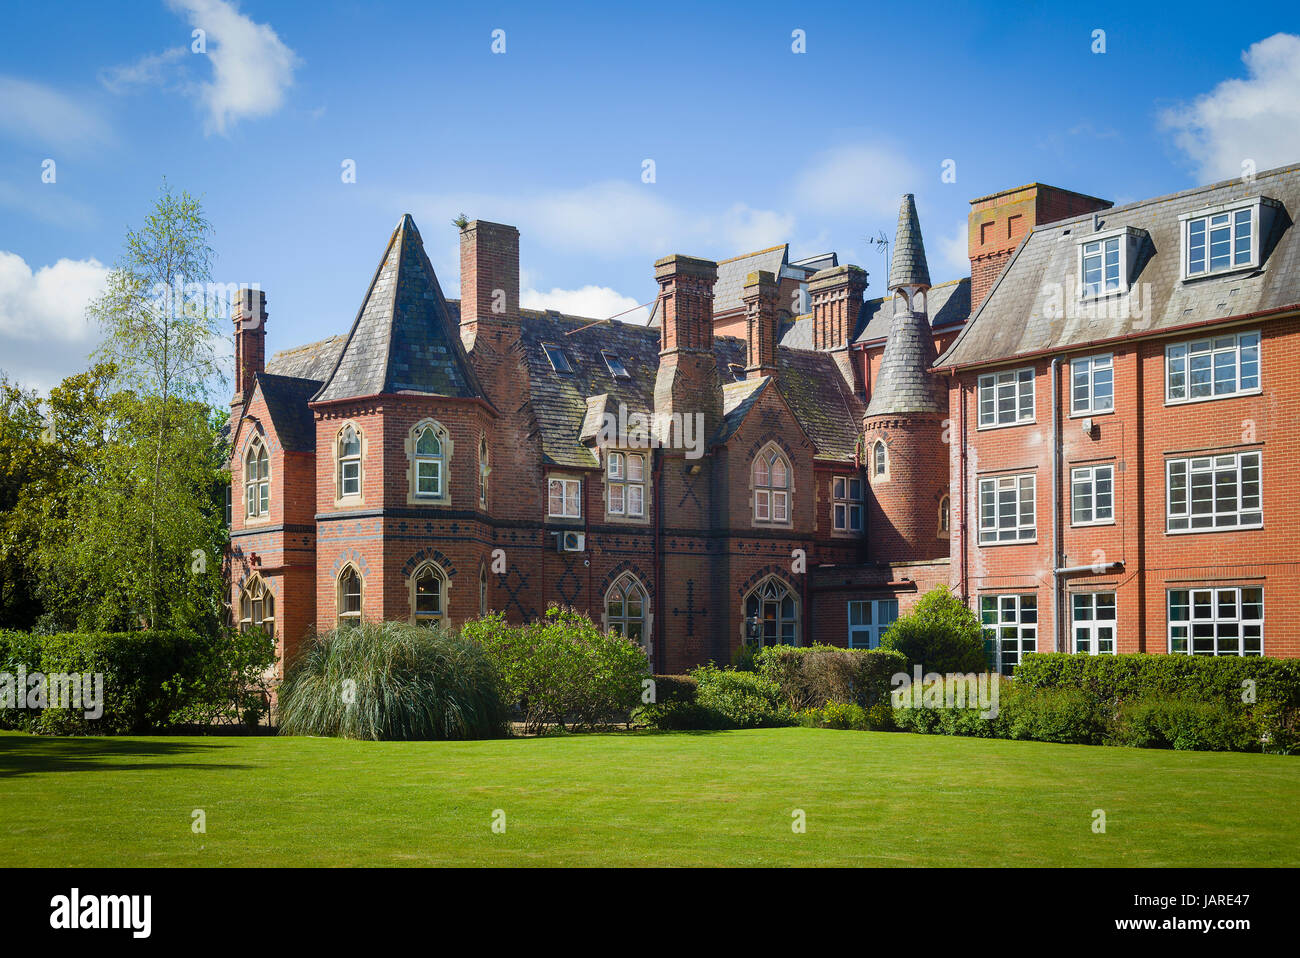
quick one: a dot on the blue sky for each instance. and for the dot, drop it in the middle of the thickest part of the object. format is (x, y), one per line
(753, 144)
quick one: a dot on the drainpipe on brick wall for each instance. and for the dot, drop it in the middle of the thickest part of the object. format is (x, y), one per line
(1056, 508)
(659, 624)
(961, 481)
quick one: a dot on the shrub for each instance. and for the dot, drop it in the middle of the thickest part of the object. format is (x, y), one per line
(682, 716)
(1264, 691)
(675, 688)
(232, 684)
(811, 676)
(745, 699)
(940, 634)
(563, 668)
(1052, 715)
(147, 677)
(392, 680)
(1182, 722)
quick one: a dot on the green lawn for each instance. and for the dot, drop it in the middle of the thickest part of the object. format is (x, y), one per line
(641, 799)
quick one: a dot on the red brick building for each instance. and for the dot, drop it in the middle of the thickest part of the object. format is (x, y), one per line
(775, 459)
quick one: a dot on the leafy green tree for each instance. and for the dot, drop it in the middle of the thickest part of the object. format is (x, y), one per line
(940, 634)
(161, 334)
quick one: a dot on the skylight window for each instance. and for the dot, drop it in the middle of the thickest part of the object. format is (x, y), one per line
(559, 362)
(614, 363)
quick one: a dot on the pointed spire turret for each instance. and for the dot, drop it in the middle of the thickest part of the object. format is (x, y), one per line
(403, 339)
(908, 266)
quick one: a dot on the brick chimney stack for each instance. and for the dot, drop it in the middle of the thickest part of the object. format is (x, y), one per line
(489, 277)
(761, 324)
(248, 313)
(687, 382)
(836, 296)
(999, 221)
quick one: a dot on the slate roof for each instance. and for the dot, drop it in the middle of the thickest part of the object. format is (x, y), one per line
(948, 304)
(908, 266)
(1022, 312)
(403, 339)
(560, 399)
(728, 291)
(313, 361)
(286, 400)
(814, 389)
(904, 383)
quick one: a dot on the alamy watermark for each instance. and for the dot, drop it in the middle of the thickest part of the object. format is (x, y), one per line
(637, 430)
(955, 690)
(57, 690)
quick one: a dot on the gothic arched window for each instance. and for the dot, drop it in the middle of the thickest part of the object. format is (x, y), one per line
(257, 479)
(627, 609)
(428, 595)
(348, 456)
(771, 614)
(348, 598)
(256, 606)
(772, 486)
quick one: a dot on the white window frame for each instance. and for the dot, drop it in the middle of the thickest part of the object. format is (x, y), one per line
(771, 501)
(992, 383)
(624, 491)
(1092, 614)
(437, 461)
(257, 480)
(1180, 521)
(1244, 348)
(846, 508)
(1105, 285)
(1024, 532)
(1090, 477)
(1094, 370)
(1007, 615)
(867, 621)
(343, 462)
(570, 496)
(1207, 219)
(1205, 610)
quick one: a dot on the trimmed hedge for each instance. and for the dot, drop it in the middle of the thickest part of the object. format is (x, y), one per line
(849, 715)
(1123, 678)
(148, 677)
(811, 676)
(675, 688)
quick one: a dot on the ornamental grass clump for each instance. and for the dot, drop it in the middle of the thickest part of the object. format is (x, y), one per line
(392, 680)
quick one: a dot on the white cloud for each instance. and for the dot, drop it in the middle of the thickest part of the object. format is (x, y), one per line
(598, 302)
(1256, 119)
(953, 258)
(37, 114)
(147, 71)
(44, 335)
(858, 180)
(251, 66)
(613, 219)
(49, 303)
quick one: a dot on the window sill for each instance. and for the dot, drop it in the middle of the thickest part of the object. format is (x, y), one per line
(1007, 425)
(1018, 542)
(1202, 532)
(1092, 414)
(1257, 391)
(1230, 271)
(1092, 525)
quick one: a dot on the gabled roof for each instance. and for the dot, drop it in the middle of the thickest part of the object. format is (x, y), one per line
(313, 361)
(908, 266)
(812, 386)
(1022, 314)
(948, 304)
(738, 398)
(286, 400)
(560, 399)
(403, 339)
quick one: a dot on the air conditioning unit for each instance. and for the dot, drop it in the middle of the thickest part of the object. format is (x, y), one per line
(571, 541)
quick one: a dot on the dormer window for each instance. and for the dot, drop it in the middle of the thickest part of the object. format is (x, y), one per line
(1106, 261)
(1222, 239)
(1101, 267)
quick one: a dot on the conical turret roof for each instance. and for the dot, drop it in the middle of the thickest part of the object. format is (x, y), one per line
(403, 339)
(908, 266)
